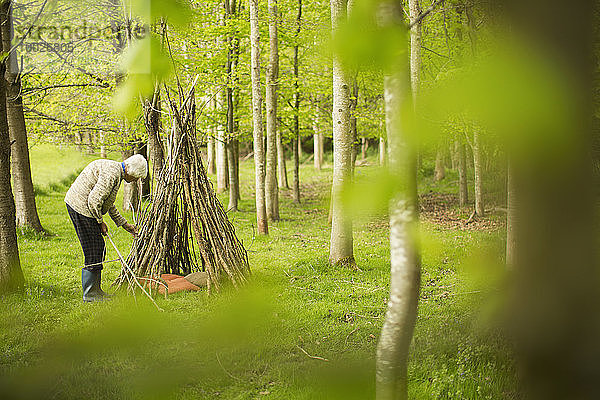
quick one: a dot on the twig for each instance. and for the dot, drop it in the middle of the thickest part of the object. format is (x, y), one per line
(99, 263)
(308, 159)
(307, 289)
(424, 14)
(134, 278)
(346, 341)
(309, 356)
(471, 218)
(223, 368)
(155, 281)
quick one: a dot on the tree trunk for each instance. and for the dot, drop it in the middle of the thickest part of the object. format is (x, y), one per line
(553, 312)
(317, 138)
(281, 167)
(142, 149)
(321, 147)
(397, 330)
(234, 185)
(152, 123)
(232, 123)
(103, 151)
(479, 204)
(440, 169)
(131, 193)
(353, 104)
(296, 139)
(11, 275)
(221, 150)
(476, 148)
(341, 243)
(272, 191)
(454, 155)
(382, 152)
(462, 175)
(210, 150)
(90, 143)
(79, 141)
(363, 148)
(26, 210)
(511, 219)
(257, 123)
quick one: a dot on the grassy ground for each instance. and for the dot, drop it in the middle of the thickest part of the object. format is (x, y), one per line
(301, 330)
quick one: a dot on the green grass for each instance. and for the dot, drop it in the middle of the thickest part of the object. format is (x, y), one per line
(251, 343)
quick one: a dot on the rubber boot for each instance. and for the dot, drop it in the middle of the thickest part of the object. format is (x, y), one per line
(97, 288)
(90, 282)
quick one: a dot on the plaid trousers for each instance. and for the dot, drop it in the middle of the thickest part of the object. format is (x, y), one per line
(90, 236)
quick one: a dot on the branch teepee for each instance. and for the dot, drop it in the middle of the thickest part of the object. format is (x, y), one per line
(185, 228)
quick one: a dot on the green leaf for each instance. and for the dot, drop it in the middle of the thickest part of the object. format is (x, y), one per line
(174, 11)
(146, 64)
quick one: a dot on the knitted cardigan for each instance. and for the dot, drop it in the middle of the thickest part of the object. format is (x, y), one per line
(94, 191)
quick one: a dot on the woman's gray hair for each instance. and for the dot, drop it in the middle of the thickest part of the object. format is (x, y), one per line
(136, 166)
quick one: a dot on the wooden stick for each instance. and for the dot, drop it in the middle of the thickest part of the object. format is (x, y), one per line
(313, 357)
(127, 266)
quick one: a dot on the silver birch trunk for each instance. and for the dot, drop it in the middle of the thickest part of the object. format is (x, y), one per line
(341, 243)
(257, 123)
(397, 330)
(272, 191)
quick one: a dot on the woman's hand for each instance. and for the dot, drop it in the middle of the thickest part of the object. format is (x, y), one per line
(130, 228)
(104, 228)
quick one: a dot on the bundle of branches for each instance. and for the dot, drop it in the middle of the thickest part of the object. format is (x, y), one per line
(185, 228)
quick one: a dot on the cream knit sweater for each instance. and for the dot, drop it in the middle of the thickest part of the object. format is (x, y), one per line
(94, 191)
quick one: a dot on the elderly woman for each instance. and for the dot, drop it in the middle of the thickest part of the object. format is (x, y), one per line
(90, 197)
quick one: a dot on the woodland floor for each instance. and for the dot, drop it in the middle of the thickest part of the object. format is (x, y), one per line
(301, 329)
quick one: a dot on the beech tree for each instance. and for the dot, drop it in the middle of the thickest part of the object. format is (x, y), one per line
(26, 210)
(11, 275)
